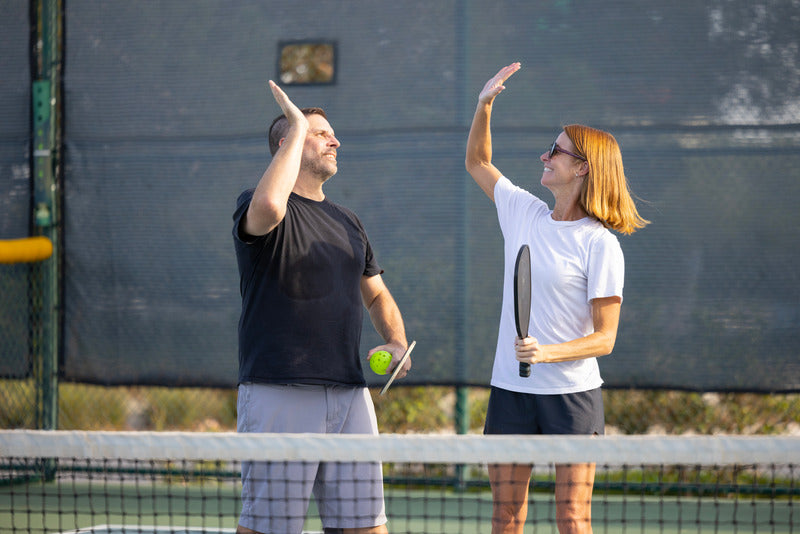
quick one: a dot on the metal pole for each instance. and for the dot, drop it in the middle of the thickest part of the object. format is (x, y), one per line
(45, 135)
(462, 400)
(462, 364)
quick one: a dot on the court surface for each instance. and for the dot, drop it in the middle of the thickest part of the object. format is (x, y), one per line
(450, 511)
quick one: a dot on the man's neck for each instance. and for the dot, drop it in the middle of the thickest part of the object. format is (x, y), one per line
(311, 189)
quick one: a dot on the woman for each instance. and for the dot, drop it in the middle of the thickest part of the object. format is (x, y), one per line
(576, 285)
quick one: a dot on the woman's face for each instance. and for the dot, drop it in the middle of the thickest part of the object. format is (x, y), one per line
(560, 168)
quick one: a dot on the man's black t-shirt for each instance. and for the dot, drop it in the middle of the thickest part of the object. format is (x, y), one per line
(301, 295)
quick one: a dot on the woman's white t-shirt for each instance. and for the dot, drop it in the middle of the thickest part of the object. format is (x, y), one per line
(572, 262)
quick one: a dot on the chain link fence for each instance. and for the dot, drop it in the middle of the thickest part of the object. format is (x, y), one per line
(20, 385)
(407, 409)
(158, 146)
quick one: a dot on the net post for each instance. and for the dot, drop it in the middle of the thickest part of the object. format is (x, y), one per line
(462, 427)
(47, 18)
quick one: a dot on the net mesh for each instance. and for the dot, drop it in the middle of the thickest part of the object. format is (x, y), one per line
(190, 482)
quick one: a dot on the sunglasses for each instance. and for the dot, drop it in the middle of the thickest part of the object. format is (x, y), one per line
(555, 148)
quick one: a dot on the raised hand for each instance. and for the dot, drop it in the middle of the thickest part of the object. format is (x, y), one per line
(494, 86)
(292, 112)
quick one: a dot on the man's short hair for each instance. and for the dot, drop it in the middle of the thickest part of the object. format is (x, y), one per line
(280, 126)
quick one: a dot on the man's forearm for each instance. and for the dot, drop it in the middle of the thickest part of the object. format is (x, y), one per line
(387, 320)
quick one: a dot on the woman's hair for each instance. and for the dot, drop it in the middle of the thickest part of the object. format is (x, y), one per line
(605, 194)
(279, 127)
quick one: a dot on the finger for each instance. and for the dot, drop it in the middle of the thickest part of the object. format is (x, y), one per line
(403, 370)
(275, 89)
(505, 73)
(400, 374)
(386, 348)
(281, 97)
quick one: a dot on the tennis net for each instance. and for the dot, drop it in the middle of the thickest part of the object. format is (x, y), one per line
(182, 482)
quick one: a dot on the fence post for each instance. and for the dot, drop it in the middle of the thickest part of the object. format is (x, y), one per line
(462, 361)
(46, 138)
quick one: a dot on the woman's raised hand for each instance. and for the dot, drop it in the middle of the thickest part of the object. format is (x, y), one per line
(494, 86)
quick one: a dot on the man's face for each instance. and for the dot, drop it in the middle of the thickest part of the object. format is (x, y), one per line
(319, 150)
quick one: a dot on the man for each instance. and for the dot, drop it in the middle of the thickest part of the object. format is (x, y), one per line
(306, 269)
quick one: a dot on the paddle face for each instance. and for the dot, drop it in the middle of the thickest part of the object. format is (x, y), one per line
(522, 299)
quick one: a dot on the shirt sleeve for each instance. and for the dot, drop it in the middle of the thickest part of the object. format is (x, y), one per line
(606, 275)
(371, 266)
(242, 203)
(514, 204)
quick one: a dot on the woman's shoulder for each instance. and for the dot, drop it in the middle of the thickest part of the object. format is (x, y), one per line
(506, 192)
(595, 233)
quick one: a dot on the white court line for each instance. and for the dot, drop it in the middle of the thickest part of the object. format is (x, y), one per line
(145, 529)
(123, 529)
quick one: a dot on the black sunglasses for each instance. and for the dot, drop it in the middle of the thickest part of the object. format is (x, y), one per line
(555, 148)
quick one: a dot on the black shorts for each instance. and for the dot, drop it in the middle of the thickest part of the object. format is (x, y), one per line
(510, 412)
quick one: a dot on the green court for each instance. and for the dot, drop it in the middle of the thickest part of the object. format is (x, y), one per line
(197, 507)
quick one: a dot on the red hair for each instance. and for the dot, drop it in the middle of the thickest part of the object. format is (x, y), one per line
(605, 194)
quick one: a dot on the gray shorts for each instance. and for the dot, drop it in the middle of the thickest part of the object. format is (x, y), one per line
(510, 412)
(275, 495)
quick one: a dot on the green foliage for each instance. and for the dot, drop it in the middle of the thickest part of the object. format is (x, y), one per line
(141, 408)
(83, 407)
(403, 410)
(675, 412)
(17, 403)
(414, 409)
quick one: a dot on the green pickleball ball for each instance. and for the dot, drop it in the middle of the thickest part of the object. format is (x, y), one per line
(380, 362)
